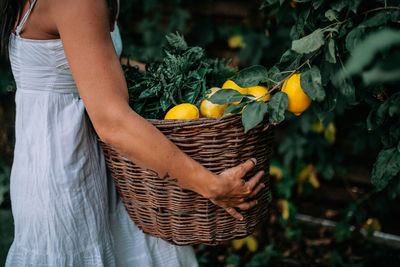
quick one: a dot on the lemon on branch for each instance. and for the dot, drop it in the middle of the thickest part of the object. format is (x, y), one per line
(229, 84)
(258, 91)
(183, 111)
(211, 110)
(298, 100)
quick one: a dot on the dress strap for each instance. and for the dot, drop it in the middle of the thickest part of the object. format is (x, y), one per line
(118, 7)
(21, 24)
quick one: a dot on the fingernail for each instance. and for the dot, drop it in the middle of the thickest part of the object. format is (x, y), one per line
(263, 185)
(241, 218)
(254, 160)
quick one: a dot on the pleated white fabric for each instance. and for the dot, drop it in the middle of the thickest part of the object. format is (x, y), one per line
(65, 207)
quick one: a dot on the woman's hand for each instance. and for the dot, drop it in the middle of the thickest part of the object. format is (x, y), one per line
(233, 192)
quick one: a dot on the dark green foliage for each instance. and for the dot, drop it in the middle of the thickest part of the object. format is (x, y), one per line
(226, 96)
(253, 114)
(264, 257)
(251, 76)
(4, 180)
(6, 234)
(311, 82)
(182, 76)
(277, 106)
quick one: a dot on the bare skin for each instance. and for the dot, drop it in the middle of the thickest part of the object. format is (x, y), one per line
(84, 29)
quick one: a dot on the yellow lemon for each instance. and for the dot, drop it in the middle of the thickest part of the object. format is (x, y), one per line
(238, 243)
(252, 244)
(235, 41)
(372, 225)
(229, 84)
(258, 91)
(330, 133)
(298, 100)
(284, 207)
(317, 127)
(276, 171)
(183, 111)
(211, 110)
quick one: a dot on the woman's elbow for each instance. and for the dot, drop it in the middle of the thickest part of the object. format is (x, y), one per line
(108, 127)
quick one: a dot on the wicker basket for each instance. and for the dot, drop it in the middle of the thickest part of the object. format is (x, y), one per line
(162, 209)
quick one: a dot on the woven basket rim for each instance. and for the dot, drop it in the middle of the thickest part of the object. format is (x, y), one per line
(198, 120)
(209, 122)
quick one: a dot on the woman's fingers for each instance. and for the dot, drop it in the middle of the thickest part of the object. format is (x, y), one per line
(234, 213)
(255, 180)
(241, 169)
(257, 190)
(247, 205)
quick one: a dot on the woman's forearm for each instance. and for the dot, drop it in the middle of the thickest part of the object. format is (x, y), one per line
(141, 142)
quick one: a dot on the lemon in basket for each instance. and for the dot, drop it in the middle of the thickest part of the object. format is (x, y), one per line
(229, 84)
(183, 111)
(258, 91)
(298, 100)
(211, 110)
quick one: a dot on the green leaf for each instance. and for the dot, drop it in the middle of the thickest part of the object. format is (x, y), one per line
(353, 5)
(275, 74)
(234, 108)
(311, 84)
(339, 5)
(345, 86)
(395, 16)
(251, 76)
(264, 257)
(380, 75)
(233, 259)
(317, 3)
(165, 102)
(292, 147)
(253, 114)
(176, 41)
(353, 38)
(225, 96)
(376, 20)
(365, 52)
(330, 53)
(342, 231)
(277, 106)
(387, 166)
(146, 94)
(331, 15)
(301, 19)
(289, 60)
(309, 43)
(255, 44)
(324, 110)
(380, 113)
(328, 71)
(392, 136)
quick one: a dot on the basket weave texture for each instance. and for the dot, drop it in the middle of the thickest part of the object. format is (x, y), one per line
(161, 208)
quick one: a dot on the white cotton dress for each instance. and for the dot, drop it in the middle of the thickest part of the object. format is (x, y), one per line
(65, 207)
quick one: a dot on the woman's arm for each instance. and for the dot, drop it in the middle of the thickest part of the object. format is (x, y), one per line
(84, 29)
